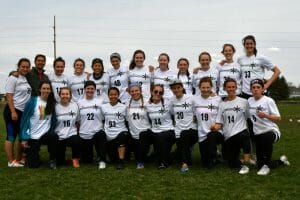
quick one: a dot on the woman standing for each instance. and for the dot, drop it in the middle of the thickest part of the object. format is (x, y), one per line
(77, 80)
(159, 112)
(185, 127)
(229, 69)
(100, 78)
(37, 126)
(67, 114)
(139, 125)
(114, 114)
(18, 92)
(118, 77)
(139, 74)
(253, 66)
(206, 109)
(205, 71)
(232, 118)
(184, 75)
(58, 79)
(91, 126)
(264, 114)
(163, 75)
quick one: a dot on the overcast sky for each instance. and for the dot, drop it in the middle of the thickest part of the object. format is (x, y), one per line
(96, 28)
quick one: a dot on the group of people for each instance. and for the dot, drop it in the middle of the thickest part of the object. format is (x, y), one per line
(126, 110)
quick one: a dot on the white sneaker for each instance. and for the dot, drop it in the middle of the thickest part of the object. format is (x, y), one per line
(285, 161)
(265, 170)
(102, 165)
(244, 170)
(14, 163)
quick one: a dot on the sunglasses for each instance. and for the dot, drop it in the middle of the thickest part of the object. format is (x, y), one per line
(158, 92)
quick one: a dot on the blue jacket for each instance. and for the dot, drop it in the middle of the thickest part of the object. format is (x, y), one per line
(25, 121)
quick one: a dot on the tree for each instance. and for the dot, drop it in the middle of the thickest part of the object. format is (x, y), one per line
(279, 90)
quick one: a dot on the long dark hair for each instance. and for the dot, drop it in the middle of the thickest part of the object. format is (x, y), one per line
(50, 106)
(132, 62)
(250, 37)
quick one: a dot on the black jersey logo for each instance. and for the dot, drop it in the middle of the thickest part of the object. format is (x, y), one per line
(119, 115)
(145, 76)
(162, 111)
(95, 107)
(234, 70)
(237, 109)
(71, 113)
(252, 65)
(186, 105)
(260, 108)
(211, 107)
(120, 73)
(103, 83)
(64, 82)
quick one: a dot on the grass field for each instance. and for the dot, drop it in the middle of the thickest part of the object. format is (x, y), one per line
(88, 182)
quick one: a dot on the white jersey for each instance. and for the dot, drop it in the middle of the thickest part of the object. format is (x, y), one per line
(143, 78)
(58, 82)
(114, 117)
(102, 85)
(187, 82)
(206, 111)
(164, 78)
(232, 115)
(40, 123)
(212, 73)
(20, 89)
(66, 117)
(90, 117)
(76, 83)
(253, 67)
(160, 116)
(119, 78)
(137, 118)
(182, 109)
(263, 125)
(229, 70)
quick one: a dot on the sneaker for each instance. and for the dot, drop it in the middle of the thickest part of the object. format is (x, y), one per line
(52, 164)
(244, 170)
(102, 165)
(23, 161)
(265, 170)
(75, 163)
(285, 161)
(161, 166)
(140, 165)
(184, 169)
(14, 163)
(120, 165)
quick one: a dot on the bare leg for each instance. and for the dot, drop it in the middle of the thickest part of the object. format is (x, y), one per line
(9, 149)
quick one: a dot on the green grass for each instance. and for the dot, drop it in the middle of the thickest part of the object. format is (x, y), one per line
(150, 183)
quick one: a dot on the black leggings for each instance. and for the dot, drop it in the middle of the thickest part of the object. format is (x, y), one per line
(33, 158)
(99, 140)
(163, 145)
(264, 149)
(74, 143)
(233, 145)
(208, 148)
(186, 141)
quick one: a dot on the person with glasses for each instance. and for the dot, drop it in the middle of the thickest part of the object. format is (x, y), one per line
(159, 111)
